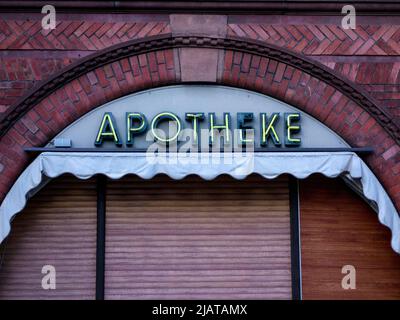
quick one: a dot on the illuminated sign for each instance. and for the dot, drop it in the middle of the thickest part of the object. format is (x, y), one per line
(188, 118)
(167, 127)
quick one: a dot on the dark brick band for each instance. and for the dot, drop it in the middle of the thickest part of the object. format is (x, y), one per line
(167, 42)
(155, 61)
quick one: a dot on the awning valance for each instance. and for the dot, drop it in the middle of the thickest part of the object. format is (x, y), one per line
(206, 165)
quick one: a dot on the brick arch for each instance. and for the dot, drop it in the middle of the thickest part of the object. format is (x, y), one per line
(158, 61)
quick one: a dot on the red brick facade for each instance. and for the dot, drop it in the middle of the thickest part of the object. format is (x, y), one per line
(367, 57)
(71, 40)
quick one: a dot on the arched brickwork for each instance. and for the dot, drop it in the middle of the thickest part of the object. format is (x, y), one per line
(157, 61)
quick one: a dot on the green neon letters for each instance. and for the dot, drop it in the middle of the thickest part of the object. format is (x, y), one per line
(226, 127)
(243, 117)
(268, 129)
(108, 131)
(195, 118)
(273, 131)
(290, 129)
(131, 130)
(163, 117)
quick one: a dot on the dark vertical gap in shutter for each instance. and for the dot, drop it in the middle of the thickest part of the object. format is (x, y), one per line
(101, 236)
(3, 247)
(295, 239)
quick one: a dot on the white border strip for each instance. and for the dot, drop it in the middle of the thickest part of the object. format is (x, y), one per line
(206, 165)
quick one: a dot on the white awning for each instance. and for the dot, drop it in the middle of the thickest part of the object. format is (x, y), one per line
(206, 165)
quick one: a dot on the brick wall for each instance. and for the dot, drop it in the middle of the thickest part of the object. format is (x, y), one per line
(29, 54)
(367, 57)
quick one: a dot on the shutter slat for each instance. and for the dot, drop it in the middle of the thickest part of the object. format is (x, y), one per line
(58, 227)
(196, 239)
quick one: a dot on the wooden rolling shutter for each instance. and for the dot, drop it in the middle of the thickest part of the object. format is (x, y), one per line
(192, 238)
(58, 228)
(338, 228)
